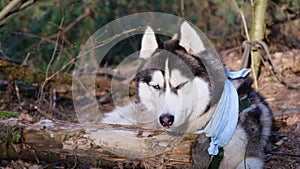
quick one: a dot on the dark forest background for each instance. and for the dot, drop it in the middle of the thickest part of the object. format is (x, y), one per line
(31, 32)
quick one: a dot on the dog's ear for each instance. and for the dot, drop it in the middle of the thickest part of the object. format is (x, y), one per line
(149, 43)
(189, 39)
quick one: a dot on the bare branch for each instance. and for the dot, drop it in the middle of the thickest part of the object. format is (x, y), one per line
(12, 8)
(86, 13)
(8, 8)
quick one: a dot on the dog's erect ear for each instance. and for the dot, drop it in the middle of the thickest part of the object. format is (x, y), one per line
(149, 43)
(189, 39)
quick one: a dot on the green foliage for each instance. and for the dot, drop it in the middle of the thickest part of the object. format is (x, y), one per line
(7, 114)
(16, 136)
(34, 30)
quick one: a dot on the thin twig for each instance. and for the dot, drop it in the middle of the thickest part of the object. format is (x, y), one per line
(274, 70)
(86, 13)
(182, 8)
(17, 90)
(253, 71)
(108, 40)
(40, 42)
(25, 61)
(262, 46)
(3, 53)
(243, 19)
(246, 53)
(43, 113)
(13, 12)
(8, 8)
(47, 78)
(247, 49)
(62, 32)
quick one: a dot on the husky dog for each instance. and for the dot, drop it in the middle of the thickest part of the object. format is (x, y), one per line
(175, 93)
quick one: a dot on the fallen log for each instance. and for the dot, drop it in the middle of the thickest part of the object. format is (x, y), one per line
(100, 145)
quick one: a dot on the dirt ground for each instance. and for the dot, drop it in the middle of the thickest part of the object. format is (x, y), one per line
(285, 104)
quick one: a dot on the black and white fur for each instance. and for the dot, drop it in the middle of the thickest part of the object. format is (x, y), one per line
(174, 93)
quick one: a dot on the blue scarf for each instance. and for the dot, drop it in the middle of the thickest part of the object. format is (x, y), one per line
(225, 118)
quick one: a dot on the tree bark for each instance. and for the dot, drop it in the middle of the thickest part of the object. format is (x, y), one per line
(257, 32)
(98, 145)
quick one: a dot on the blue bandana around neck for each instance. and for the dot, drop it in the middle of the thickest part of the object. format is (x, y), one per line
(225, 117)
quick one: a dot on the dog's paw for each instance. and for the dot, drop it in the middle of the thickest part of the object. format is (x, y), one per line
(115, 117)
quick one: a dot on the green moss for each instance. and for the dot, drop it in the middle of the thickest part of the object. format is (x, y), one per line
(7, 114)
(16, 136)
(9, 135)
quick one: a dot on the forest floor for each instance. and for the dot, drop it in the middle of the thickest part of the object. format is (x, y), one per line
(284, 102)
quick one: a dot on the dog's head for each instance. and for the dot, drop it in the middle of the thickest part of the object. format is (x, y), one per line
(172, 81)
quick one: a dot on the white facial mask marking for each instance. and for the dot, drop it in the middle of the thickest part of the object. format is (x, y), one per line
(157, 79)
(148, 94)
(188, 104)
(167, 76)
(177, 78)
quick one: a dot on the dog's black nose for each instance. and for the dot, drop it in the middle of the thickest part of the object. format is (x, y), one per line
(166, 120)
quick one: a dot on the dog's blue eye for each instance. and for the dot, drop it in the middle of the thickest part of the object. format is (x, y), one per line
(156, 87)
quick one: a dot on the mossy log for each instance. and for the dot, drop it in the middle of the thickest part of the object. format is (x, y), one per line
(19, 72)
(100, 145)
(61, 83)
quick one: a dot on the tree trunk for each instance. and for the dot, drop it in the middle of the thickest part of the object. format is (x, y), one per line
(257, 32)
(99, 146)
